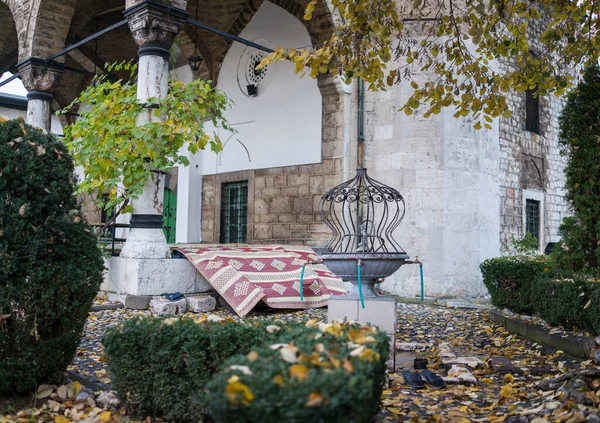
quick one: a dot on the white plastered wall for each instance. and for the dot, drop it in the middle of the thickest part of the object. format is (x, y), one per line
(56, 126)
(281, 126)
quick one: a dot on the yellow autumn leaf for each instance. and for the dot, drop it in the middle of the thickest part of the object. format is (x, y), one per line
(104, 416)
(487, 380)
(314, 400)
(77, 385)
(334, 329)
(278, 379)
(508, 378)
(506, 391)
(237, 389)
(299, 371)
(348, 365)
(61, 419)
(360, 336)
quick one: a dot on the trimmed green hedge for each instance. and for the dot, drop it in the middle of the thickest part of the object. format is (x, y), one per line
(320, 377)
(573, 303)
(531, 285)
(161, 367)
(509, 280)
(50, 263)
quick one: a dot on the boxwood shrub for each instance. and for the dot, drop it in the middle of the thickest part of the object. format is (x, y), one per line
(509, 280)
(331, 376)
(159, 367)
(569, 301)
(50, 264)
(162, 367)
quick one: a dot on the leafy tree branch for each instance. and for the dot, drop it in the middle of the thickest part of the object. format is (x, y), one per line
(476, 50)
(119, 155)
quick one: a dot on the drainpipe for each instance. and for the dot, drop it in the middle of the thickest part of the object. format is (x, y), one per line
(360, 129)
(347, 128)
(360, 139)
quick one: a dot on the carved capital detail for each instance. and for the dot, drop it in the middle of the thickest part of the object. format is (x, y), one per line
(155, 22)
(40, 75)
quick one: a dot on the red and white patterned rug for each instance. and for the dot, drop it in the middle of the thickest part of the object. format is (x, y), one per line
(246, 274)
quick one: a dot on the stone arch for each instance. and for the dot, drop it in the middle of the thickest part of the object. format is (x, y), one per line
(234, 17)
(47, 27)
(320, 27)
(9, 44)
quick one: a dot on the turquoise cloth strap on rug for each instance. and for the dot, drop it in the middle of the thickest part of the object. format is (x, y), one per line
(301, 285)
(362, 301)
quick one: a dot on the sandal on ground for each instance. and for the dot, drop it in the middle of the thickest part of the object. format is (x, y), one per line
(434, 380)
(413, 379)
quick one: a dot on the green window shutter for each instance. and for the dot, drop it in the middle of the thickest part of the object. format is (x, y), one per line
(169, 215)
(532, 218)
(234, 212)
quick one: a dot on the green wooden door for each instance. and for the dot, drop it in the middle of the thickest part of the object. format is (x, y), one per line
(170, 215)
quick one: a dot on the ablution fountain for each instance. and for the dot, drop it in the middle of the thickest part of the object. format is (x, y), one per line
(363, 214)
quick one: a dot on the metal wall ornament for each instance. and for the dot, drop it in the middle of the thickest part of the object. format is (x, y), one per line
(363, 215)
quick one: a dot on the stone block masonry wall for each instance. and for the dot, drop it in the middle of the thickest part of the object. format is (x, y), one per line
(530, 161)
(283, 202)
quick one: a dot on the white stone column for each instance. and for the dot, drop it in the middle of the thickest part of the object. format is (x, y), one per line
(146, 238)
(154, 26)
(39, 109)
(40, 78)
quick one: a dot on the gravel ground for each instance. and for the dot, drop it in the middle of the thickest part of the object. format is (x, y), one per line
(513, 397)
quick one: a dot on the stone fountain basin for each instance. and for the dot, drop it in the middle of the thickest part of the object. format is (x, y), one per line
(373, 265)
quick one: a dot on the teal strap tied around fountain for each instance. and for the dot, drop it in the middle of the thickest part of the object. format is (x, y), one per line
(301, 279)
(422, 282)
(362, 301)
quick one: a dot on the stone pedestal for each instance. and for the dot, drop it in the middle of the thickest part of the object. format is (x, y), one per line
(131, 276)
(378, 311)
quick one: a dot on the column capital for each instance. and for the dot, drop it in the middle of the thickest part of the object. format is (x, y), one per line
(329, 85)
(40, 75)
(155, 23)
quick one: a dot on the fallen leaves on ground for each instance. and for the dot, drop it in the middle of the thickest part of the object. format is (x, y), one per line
(508, 397)
(498, 397)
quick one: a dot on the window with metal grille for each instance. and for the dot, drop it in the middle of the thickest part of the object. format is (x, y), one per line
(532, 218)
(532, 111)
(234, 212)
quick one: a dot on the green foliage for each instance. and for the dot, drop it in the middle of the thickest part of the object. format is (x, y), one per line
(509, 280)
(573, 303)
(528, 245)
(161, 367)
(50, 265)
(580, 135)
(119, 153)
(477, 50)
(325, 379)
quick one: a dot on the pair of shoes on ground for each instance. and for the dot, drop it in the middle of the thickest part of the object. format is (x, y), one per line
(417, 380)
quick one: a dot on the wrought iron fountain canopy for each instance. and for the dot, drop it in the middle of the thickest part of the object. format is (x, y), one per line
(363, 214)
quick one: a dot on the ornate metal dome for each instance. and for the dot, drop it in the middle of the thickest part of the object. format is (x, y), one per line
(363, 214)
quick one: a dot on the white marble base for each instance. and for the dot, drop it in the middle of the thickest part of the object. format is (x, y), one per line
(380, 312)
(151, 276)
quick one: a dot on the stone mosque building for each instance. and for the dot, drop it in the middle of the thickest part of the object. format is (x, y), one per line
(468, 193)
